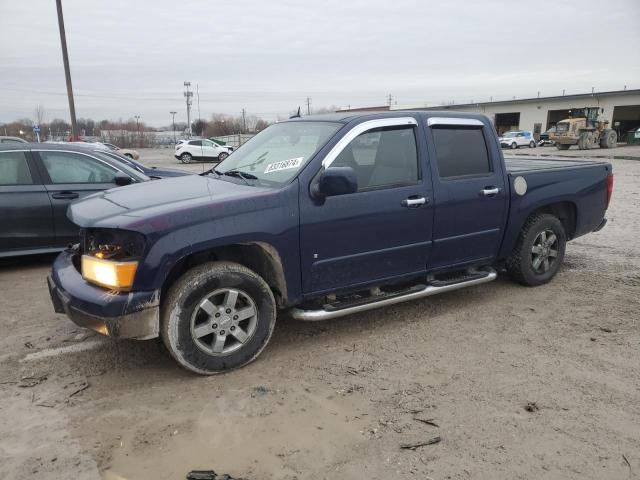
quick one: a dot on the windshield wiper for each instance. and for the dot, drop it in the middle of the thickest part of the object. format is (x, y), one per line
(243, 175)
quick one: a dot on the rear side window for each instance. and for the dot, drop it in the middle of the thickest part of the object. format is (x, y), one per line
(14, 169)
(460, 152)
(197, 143)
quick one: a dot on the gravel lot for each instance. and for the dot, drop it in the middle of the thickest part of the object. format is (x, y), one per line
(517, 382)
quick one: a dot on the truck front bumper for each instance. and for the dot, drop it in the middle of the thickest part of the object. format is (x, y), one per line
(118, 315)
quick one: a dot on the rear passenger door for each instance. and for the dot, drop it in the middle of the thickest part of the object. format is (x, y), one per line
(25, 209)
(469, 191)
(69, 176)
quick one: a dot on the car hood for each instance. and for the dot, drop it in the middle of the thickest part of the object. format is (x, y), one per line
(150, 205)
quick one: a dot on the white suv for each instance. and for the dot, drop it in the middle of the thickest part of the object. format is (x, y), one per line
(201, 149)
(519, 138)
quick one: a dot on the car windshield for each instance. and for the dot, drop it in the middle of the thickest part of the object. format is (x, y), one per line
(509, 134)
(278, 153)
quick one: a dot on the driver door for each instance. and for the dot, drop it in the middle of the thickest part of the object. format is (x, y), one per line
(210, 150)
(68, 176)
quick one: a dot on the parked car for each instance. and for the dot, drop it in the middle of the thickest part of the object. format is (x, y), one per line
(37, 183)
(298, 219)
(152, 172)
(520, 138)
(201, 149)
(5, 139)
(544, 137)
(127, 152)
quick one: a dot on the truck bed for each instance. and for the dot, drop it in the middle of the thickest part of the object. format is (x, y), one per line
(521, 164)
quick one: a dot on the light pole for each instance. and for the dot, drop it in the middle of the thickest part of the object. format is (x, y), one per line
(137, 117)
(173, 122)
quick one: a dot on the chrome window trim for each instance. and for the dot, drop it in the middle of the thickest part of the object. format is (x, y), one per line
(453, 121)
(86, 155)
(362, 128)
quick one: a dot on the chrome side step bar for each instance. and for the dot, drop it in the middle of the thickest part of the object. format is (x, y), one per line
(317, 315)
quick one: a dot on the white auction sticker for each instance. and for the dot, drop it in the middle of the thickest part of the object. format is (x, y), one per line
(284, 165)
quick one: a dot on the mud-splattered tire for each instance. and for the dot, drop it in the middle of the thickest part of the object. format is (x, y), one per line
(199, 299)
(522, 266)
(560, 146)
(609, 139)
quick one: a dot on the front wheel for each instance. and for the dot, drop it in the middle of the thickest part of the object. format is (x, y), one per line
(539, 252)
(222, 156)
(217, 317)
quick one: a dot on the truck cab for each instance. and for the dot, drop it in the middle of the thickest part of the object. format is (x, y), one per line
(320, 216)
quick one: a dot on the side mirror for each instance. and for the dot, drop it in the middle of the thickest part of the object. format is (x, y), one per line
(335, 181)
(122, 179)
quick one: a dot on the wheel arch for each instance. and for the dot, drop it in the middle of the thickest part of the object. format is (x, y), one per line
(261, 257)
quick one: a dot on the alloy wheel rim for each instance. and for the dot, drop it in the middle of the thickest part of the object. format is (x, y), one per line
(223, 321)
(544, 251)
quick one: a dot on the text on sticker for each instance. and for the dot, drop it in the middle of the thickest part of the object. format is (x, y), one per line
(284, 165)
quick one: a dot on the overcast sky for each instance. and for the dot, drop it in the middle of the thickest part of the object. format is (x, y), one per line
(131, 57)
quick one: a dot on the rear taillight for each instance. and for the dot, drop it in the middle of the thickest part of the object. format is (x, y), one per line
(609, 188)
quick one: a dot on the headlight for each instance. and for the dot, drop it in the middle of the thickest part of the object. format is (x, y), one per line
(110, 257)
(109, 273)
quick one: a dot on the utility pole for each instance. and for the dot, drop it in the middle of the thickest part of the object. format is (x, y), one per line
(244, 121)
(308, 105)
(389, 100)
(198, 95)
(67, 72)
(187, 96)
(173, 122)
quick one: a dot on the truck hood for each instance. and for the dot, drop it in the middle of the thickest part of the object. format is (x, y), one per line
(135, 205)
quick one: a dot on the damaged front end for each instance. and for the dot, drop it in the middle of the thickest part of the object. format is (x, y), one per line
(92, 283)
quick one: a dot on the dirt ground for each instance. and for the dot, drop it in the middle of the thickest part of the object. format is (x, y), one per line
(518, 383)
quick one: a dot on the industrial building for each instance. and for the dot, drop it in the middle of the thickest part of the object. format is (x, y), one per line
(621, 108)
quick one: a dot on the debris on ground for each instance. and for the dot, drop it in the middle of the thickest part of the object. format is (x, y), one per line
(31, 381)
(28, 344)
(208, 475)
(414, 445)
(606, 329)
(428, 421)
(78, 387)
(531, 407)
(260, 391)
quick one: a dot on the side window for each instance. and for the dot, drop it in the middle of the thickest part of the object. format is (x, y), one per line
(460, 152)
(196, 143)
(382, 157)
(69, 167)
(14, 169)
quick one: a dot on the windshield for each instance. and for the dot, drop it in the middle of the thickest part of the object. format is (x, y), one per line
(510, 134)
(276, 155)
(562, 127)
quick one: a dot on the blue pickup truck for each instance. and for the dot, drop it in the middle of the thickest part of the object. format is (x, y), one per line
(322, 216)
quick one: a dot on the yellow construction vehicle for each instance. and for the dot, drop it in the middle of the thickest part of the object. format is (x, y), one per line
(583, 128)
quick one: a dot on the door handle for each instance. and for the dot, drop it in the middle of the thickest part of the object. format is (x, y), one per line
(490, 191)
(65, 195)
(413, 202)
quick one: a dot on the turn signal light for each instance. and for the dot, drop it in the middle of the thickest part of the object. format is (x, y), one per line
(108, 273)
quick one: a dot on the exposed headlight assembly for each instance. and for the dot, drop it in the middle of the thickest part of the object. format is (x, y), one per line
(110, 257)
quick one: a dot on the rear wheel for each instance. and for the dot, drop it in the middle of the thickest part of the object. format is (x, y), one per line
(222, 156)
(217, 317)
(609, 139)
(532, 144)
(186, 158)
(585, 141)
(539, 252)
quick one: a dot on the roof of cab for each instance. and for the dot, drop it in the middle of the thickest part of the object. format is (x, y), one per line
(346, 117)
